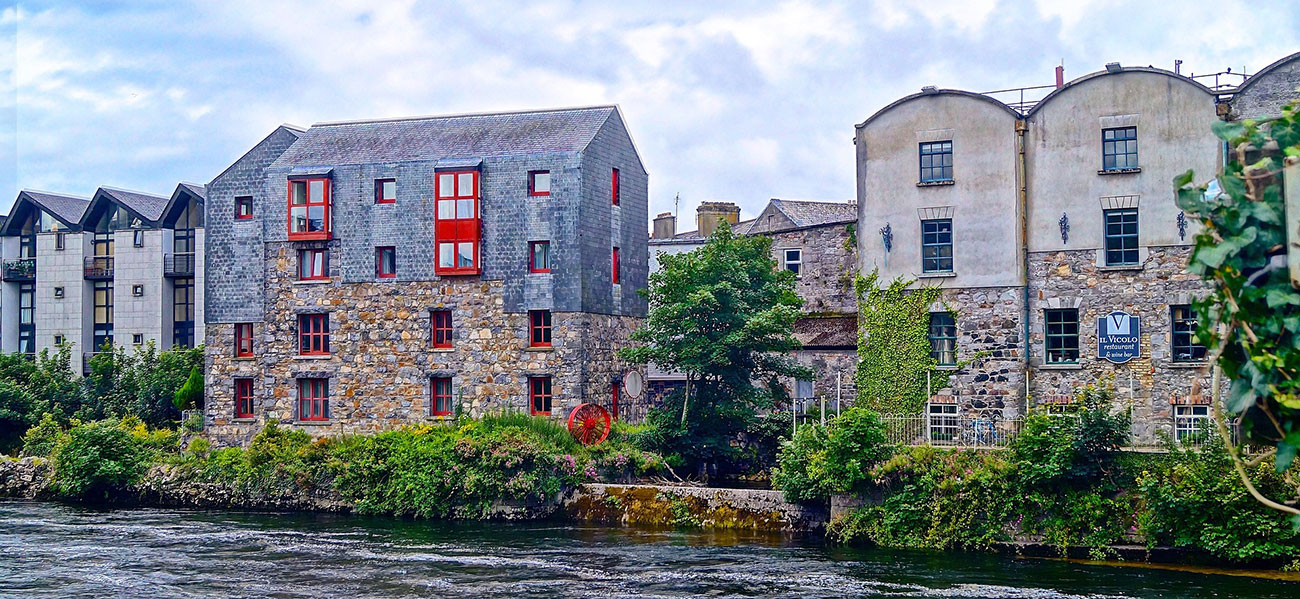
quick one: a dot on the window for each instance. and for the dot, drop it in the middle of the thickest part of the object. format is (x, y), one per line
(244, 207)
(936, 161)
(457, 223)
(615, 265)
(309, 209)
(102, 329)
(614, 184)
(244, 340)
(1062, 336)
(183, 312)
(539, 328)
(137, 290)
(313, 265)
(942, 423)
(1185, 348)
(616, 393)
(440, 396)
(539, 183)
(539, 395)
(243, 398)
(792, 260)
(385, 191)
(1121, 237)
(386, 262)
(936, 245)
(441, 328)
(539, 256)
(1191, 423)
(137, 239)
(1119, 148)
(27, 318)
(943, 338)
(137, 339)
(60, 241)
(314, 334)
(313, 399)
(58, 340)
(58, 293)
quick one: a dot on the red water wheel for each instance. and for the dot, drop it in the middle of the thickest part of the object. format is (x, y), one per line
(589, 423)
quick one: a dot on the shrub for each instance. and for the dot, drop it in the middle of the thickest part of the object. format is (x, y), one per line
(1074, 449)
(98, 459)
(41, 439)
(835, 459)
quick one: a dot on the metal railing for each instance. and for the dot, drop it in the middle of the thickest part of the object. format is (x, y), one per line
(22, 269)
(99, 267)
(178, 265)
(950, 430)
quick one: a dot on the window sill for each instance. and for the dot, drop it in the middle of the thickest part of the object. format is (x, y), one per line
(1075, 366)
(442, 350)
(540, 349)
(1119, 171)
(247, 420)
(441, 418)
(311, 357)
(313, 282)
(943, 183)
(244, 359)
(947, 367)
(936, 275)
(1189, 365)
(312, 422)
(1121, 268)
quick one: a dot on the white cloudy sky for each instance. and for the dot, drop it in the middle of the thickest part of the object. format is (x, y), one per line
(732, 101)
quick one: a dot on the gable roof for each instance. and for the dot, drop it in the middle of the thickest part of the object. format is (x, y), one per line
(454, 136)
(804, 213)
(292, 130)
(67, 209)
(183, 193)
(147, 206)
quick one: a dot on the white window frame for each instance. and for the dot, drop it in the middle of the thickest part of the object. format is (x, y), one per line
(942, 418)
(1187, 421)
(797, 262)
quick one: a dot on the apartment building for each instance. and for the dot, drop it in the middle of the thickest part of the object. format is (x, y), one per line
(120, 267)
(371, 274)
(1052, 229)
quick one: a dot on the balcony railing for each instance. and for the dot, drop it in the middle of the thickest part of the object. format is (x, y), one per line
(178, 265)
(99, 267)
(23, 269)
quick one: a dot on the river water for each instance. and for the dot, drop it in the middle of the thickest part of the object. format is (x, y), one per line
(54, 550)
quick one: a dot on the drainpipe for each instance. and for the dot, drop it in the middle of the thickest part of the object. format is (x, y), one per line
(1022, 191)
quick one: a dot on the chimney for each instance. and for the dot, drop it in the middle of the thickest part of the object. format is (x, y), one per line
(1060, 76)
(709, 214)
(665, 226)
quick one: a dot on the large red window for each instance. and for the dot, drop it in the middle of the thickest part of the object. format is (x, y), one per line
(616, 393)
(614, 191)
(243, 398)
(457, 223)
(539, 395)
(309, 209)
(539, 256)
(313, 265)
(313, 399)
(244, 340)
(440, 396)
(314, 334)
(386, 262)
(441, 328)
(539, 328)
(614, 262)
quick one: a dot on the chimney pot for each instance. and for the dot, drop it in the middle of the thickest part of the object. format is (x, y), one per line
(709, 214)
(665, 226)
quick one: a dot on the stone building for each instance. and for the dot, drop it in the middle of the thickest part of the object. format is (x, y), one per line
(813, 240)
(122, 267)
(372, 274)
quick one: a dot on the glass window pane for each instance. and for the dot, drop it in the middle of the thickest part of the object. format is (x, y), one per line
(465, 255)
(446, 209)
(317, 192)
(542, 182)
(465, 185)
(298, 191)
(446, 255)
(389, 190)
(464, 208)
(446, 185)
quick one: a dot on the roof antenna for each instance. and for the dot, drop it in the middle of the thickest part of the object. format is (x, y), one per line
(677, 204)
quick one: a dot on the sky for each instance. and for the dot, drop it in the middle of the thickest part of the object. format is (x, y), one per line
(726, 101)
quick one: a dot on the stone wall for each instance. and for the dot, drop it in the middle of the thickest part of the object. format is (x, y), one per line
(829, 263)
(703, 507)
(990, 337)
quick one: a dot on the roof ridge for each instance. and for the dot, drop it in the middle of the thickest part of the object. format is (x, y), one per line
(54, 193)
(461, 115)
(135, 191)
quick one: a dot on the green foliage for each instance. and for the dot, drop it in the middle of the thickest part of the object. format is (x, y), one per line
(837, 458)
(894, 345)
(191, 393)
(16, 414)
(1074, 449)
(97, 460)
(40, 440)
(724, 315)
(1253, 301)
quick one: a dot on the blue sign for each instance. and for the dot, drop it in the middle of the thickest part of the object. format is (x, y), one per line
(1119, 337)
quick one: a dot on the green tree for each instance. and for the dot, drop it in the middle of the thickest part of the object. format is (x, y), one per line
(191, 393)
(723, 315)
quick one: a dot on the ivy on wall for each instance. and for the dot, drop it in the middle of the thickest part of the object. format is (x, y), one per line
(894, 345)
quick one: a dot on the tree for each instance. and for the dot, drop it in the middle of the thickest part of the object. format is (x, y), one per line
(723, 315)
(191, 393)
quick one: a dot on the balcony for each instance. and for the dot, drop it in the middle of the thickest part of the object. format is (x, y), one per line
(99, 268)
(23, 269)
(178, 265)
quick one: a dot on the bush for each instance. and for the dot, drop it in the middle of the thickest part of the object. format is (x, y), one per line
(835, 459)
(41, 439)
(97, 460)
(1075, 449)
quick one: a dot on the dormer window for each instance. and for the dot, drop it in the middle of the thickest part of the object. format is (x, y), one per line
(457, 223)
(309, 209)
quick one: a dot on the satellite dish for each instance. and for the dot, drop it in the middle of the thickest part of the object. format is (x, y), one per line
(633, 384)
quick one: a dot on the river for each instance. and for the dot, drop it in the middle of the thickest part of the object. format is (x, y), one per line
(54, 550)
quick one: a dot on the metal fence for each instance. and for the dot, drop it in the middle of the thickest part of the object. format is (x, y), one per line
(950, 430)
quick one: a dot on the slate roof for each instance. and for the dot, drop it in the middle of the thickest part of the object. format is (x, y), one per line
(740, 228)
(146, 205)
(438, 137)
(197, 190)
(65, 207)
(805, 213)
(839, 332)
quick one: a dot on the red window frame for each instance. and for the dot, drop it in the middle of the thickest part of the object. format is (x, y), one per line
(313, 399)
(308, 257)
(452, 229)
(244, 340)
(615, 266)
(440, 321)
(539, 395)
(313, 334)
(380, 198)
(532, 256)
(243, 398)
(614, 191)
(322, 202)
(532, 184)
(539, 328)
(381, 269)
(616, 391)
(440, 399)
(243, 207)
